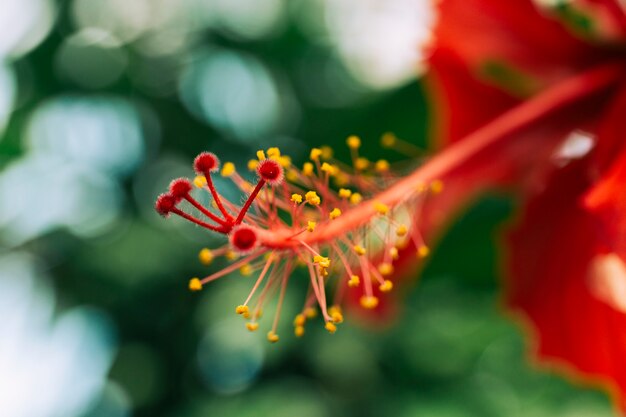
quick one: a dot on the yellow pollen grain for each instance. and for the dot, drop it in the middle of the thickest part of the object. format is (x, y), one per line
(354, 281)
(369, 302)
(312, 198)
(291, 175)
(436, 186)
(334, 213)
(322, 261)
(195, 284)
(329, 169)
(385, 268)
(228, 169)
(330, 326)
(299, 320)
(310, 313)
(323, 271)
(296, 198)
(315, 154)
(381, 166)
(272, 337)
(327, 152)
(341, 179)
(393, 252)
(245, 270)
(361, 164)
(260, 155)
(402, 230)
(310, 226)
(231, 255)
(307, 169)
(353, 142)
(423, 251)
(200, 181)
(299, 331)
(388, 140)
(253, 164)
(252, 326)
(345, 193)
(242, 310)
(206, 256)
(386, 286)
(335, 313)
(359, 250)
(284, 161)
(381, 208)
(273, 153)
(356, 198)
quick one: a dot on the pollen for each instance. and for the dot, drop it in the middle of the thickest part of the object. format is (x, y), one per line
(307, 169)
(312, 198)
(386, 286)
(330, 326)
(393, 252)
(253, 164)
(231, 255)
(322, 261)
(252, 326)
(402, 230)
(359, 250)
(334, 213)
(423, 251)
(272, 337)
(385, 269)
(361, 164)
(260, 155)
(345, 193)
(300, 320)
(354, 281)
(327, 152)
(195, 284)
(436, 186)
(310, 226)
(228, 169)
(242, 310)
(353, 142)
(388, 140)
(381, 208)
(381, 166)
(296, 198)
(206, 256)
(245, 270)
(199, 181)
(310, 313)
(356, 198)
(273, 153)
(315, 154)
(369, 302)
(329, 169)
(335, 314)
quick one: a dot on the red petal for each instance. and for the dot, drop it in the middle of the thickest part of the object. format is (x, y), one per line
(556, 280)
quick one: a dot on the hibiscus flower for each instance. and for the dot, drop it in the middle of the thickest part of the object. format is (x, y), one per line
(548, 80)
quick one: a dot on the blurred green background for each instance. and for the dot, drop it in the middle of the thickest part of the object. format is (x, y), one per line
(103, 102)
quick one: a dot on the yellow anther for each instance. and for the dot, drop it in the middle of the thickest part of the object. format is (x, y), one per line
(369, 302)
(284, 161)
(273, 153)
(423, 251)
(315, 154)
(381, 166)
(310, 313)
(385, 268)
(402, 230)
(345, 193)
(354, 281)
(299, 331)
(436, 186)
(195, 284)
(388, 140)
(335, 313)
(253, 164)
(386, 286)
(330, 326)
(322, 261)
(252, 326)
(381, 208)
(323, 271)
(299, 320)
(393, 252)
(312, 198)
(231, 255)
(341, 179)
(291, 175)
(245, 270)
(353, 142)
(272, 337)
(327, 152)
(296, 198)
(403, 244)
(228, 169)
(356, 198)
(334, 213)
(260, 155)
(242, 310)
(360, 250)
(329, 169)
(307, 169)
(206, 256)
(310, 226)
(199, 181)
(361, 164)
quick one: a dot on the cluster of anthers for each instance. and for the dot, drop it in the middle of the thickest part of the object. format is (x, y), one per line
(335, 221)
